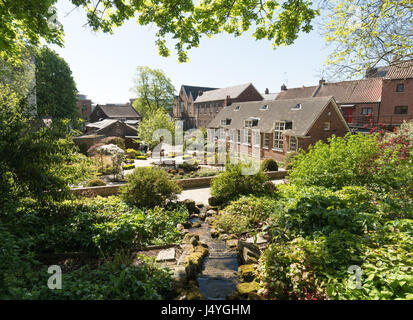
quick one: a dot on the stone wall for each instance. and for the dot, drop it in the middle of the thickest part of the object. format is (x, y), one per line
(192, 183)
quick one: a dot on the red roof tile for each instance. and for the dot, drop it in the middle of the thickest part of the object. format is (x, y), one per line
(403, 70)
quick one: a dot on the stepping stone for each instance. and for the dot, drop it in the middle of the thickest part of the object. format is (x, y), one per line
(166, 255)
(260, 240)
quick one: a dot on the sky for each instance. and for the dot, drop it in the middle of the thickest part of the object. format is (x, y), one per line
(104, 65)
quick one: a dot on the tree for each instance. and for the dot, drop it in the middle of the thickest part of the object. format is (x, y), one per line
(154, 90)
(368, 33)
(185, 21)
(26, 22)
(36, 161)
(156, 120)
(55, 88)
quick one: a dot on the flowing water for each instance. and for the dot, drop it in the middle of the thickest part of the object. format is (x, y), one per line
(218, 277)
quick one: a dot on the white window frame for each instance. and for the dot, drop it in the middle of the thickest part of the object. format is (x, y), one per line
(231, 135)
(290, 139)
(278, 138)
(328, 127)
(266, 138)
(257, 138)
(247, 137)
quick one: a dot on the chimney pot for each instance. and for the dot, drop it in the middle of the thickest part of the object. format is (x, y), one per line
(267, 91)
(283, 87)
(322, 82)
(200, 93)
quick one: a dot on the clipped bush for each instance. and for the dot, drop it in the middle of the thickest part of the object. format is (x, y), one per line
(289, 158)
(95, 183)
(149, 187)
(128, 166)
(141, 157)
(269, 165)
(232, 183)
(231, 223)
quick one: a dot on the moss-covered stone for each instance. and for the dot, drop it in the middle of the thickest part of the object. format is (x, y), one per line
(189, 235)
(247, 287)
(246, 272)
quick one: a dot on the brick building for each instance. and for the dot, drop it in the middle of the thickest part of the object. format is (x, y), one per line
(85, 106)
(124, 113)
(397, 94)
(271, 129)
(208, 104)
(183, 108)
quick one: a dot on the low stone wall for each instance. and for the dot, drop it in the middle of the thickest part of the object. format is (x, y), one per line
(191, 183)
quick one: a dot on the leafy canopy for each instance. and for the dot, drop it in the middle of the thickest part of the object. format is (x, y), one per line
(367, 33)
(56, 91)
(154, 90)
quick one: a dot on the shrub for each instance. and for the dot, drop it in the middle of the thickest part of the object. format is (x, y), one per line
(269, 165)
(231, 184)
(128, 166)
(289, 159)
(95, 183)
(256, 209)
(148, 187)
(231, 223)
(120, 142)
(141, 157)
(343, 162)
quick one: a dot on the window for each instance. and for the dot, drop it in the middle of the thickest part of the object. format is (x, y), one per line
(400, 110)
(293, 144)
(400, 87)
(226, 122)
(84, 108)
(266, 140)
(222, 134)
(182, 107)
(366, 111)
(326, 126)
(278, 142)
(247, 136)
(298, 106)
(237, 108)
(239, 136)
(231, 135)
(250, 123)
(264, 107)
(257, 138)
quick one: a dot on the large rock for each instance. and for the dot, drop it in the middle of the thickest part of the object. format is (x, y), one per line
(232, 243)
(196, 224)
(246, 272)
(190, 205)
(247, 287)
(211, 213)
(250, 252)
(258, 241)
(188, 237)
(209, 220)
(199, 205)
(212, 201)
(166, 255)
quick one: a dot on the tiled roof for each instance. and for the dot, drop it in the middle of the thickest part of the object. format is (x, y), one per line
(403, 70)
(269, 96)
(278, 110)
(297, 93)
(358, 91)
(221, 94)
(120, 111)
(192, 90)
(101, 124)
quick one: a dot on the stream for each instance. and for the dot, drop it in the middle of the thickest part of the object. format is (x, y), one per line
(218, 277)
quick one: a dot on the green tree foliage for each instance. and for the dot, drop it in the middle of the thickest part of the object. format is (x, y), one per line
(55, 88)
(149, 187)
(36, 160)
(153, 89)
(155, 120)
(24, 22)
(231, 184)
(367, 33)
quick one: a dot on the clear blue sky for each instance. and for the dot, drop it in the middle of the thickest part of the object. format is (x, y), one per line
(104, 65)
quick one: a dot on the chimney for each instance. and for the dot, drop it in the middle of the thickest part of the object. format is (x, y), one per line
(200, 93)
(227, 101)
(321, 82)
(284, 87)
(267, 91)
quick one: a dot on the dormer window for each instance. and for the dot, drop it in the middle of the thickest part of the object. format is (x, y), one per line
(251, 123)
(226, 122)
(237, 108)
(264, 107)
(298, 106)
